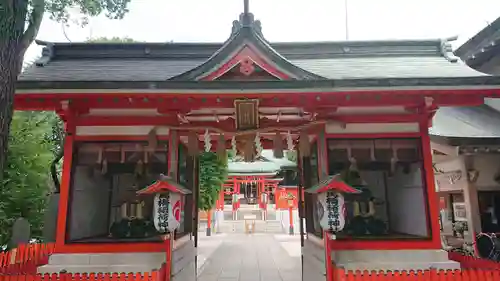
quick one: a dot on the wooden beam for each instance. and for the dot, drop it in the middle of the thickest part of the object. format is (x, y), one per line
(446, 149)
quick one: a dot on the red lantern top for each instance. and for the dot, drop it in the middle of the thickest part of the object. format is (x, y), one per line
(333, 183)
(164, 184)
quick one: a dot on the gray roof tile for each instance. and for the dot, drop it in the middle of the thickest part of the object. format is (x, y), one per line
(109, 70)
(164, 69)
(466, 122)
(387, 67)
(330, 60)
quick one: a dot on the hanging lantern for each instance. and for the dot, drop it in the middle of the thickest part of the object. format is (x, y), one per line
(278, 146)
(289, 141)
(207, 140)
(304, 145)
(258, 145)
(330, 206)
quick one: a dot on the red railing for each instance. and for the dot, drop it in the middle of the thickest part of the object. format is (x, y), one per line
(147, 276)
(419, 275)
(473, 262)
(155, 275)
(25, 258)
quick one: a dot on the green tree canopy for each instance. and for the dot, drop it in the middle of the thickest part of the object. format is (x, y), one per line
(213, 173)
(20, 21)
(26, 175)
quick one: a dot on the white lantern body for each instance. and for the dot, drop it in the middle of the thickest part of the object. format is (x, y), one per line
(264, 198)
(167, 212)
(331, 211)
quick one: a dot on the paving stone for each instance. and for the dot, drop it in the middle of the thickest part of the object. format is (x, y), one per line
(239, 257)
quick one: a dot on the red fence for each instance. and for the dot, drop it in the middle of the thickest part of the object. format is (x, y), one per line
(147, 276)
(25, 258)
(473, 262)
(425, 275)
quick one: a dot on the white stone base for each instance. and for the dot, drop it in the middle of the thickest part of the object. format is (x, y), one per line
(393, 259)
(105, 262)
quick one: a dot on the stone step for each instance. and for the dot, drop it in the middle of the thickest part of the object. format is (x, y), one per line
(107, 259)
(388, 256)
(124, 268)
(399, 265)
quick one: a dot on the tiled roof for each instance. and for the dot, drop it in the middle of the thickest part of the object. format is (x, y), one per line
(248, 167)
(466, 122)
(327, 60)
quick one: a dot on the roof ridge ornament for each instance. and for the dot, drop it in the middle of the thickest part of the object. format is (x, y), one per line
(246, 19)
(447, 49)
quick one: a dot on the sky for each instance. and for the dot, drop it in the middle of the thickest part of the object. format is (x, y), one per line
(285, 21)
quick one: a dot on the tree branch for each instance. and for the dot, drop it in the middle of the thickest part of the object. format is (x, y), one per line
(35, 20)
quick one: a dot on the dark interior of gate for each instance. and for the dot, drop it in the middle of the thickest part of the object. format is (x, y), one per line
(358, 111)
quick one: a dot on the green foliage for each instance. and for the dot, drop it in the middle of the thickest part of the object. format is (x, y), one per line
(64, 10)
(213, 173)
(26, 177)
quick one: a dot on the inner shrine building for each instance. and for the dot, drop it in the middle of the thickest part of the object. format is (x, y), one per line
(134, 111)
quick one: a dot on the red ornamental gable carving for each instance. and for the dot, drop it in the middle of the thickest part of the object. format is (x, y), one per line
(246, 66)
(248, 60)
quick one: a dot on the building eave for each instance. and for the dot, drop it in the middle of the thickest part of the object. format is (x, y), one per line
(221, 87)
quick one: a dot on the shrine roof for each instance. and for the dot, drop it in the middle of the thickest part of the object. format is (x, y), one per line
(304, 64)
(129, 62)
(463, 125)
(482, 47)
(252, 167)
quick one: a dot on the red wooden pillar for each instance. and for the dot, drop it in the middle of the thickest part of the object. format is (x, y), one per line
(65, 183)
(428, 174)
(233, 203)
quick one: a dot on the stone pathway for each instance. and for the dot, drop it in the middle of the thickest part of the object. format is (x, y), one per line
(257, 257)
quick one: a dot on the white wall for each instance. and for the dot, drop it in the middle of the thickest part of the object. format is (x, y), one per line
(375, 182)
(488, 166)
(89, 204)
(407, 205)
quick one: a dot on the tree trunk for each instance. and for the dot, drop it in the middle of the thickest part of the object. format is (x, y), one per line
(10, 66)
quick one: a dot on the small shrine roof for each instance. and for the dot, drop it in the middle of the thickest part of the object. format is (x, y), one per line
(332, 183)
(164, 184)
(462, 125)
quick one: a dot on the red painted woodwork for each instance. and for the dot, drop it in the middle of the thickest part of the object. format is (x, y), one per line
(280, 197)
(65, 186)
(162, 186)
(248, 55)
(336, 183)
(473, 262)
(428, 177)
(25, 258)
(94, 276)
(168, 101)
(421, 275)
